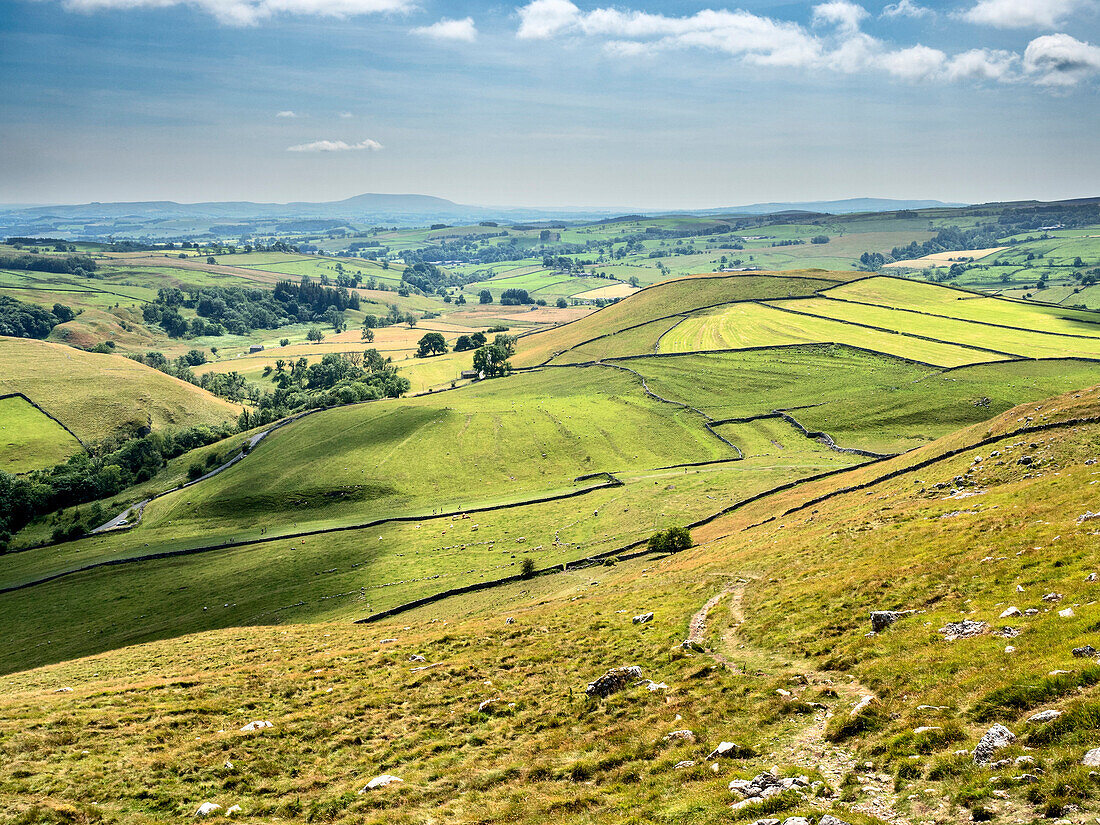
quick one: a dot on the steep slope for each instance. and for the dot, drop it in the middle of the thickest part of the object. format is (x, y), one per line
(492, 724)
(96, 396)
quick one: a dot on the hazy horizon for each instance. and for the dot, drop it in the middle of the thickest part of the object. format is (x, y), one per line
(670, 104)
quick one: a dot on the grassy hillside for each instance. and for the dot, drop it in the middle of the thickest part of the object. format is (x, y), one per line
(663, 300)
(98, 396)
(150, 732)
(29, 438)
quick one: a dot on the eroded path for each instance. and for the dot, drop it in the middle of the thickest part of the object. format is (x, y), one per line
(808, 747)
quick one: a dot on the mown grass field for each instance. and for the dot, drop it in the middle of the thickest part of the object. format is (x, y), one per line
(666, 299)
(758, 325)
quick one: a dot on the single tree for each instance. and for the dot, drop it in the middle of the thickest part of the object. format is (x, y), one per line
(315, 335)
(485, 297)
(433, 343)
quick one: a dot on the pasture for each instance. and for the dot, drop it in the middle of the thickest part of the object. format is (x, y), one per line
(30, 439)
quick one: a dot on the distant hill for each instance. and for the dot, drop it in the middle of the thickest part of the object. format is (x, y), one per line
(841, 207)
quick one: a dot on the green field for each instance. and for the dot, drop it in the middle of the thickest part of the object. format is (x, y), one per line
(30, 439)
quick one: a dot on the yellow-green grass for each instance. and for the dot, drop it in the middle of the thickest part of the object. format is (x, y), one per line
(972, 333)
(662, 300)
(436, 372)
(98, 396)
(349, 574)
(639, 340)
(30, 439)
(757, 325)
(146, 731)
(938, 300)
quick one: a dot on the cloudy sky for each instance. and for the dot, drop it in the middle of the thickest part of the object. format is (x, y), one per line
(644, 104)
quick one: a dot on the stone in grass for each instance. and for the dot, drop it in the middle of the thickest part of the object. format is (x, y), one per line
(256, 724)
(965, 629)
(643, 618)
(1092, 758)
(680, 736)
(1067, 613)
(233, 810)
(381, 782)
(613, 681)
(766, 822)
(830, 820)
(1084, 652)
(207, 809)
(995, 738)
(687, 763)
(796, 820)
(1012, 611)
(882, 619)
(731, 750)
(1044, 716)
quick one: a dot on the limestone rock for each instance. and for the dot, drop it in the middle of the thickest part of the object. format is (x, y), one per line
(207, 809)
(731, 750)
(233, 810)
(995, 738)
(963, 630)
(1092, 758)
(1012, 611)
(1044, 716)
(680, 736)
(882, 619)
(643, 618)
(381, 782)
(613, 681)
(687, 763)
(830, 820)
(256, 724)
(1084, 652)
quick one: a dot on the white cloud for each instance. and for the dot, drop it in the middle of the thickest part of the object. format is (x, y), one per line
(844, 15)
(344, 115)
(763, 41)
(983, 64)
(915, 63)
(906, 8)
(250, 12)
(541, 19)
(335, 146)
(462, 30)
(1022, 14)
(1061, 60)
(286, 113)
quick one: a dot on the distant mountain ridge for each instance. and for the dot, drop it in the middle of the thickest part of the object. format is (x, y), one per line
(374, 205)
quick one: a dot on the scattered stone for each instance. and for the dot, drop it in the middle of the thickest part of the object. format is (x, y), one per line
(1024, 460)
(1067, 613)
(1024, 760)
(687, 763)
(1092, 758)
(1031, 611)
(1007, 632)
(613, 681)
(1012, 611)
(1009, 649)
(691, 644)
(926, 729)
(1088, 515)
(256, 725)
(731, 750)
(786, 694)
(680, 736)
(652, 686)
(381, 782)
(882, 619)
(1091, 577)
(766, 822)
(64, 690)
(416, 657)
(796, 820)
(642, 619)
(207, 809)
(830, 820)
(1084, 652)
(1019, 588)
(387, 641)
(860, 706)
(1052, 597)
(1044, 716)
(1026, 779)
(995, 738)
(233, 810)
(766, 785)
(965, 629)
(510, 620)
(490, 705)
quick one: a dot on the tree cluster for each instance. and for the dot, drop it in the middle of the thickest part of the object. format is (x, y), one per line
(20, 320)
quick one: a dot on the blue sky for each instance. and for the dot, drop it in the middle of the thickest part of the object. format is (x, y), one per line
(670, 104)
